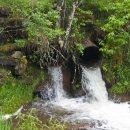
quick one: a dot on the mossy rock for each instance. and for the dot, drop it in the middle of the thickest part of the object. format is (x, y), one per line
(7, 48)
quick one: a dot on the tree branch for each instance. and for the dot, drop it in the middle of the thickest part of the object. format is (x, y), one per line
(75, 5)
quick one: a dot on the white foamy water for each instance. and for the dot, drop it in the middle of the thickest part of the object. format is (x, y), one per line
(56, 83)
(95, 106)
(93, 85)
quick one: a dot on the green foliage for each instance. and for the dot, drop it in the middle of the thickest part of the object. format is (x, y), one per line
(34, 58)
(39, 20)
(39, 17)
(120, 88)
(80, 48)
(15, 93)
(116, 28)
(78, 85)
(20, 43)
(4, 124)
(86, 16)
(123, 84)
(123, 74)
(82, 18)
(115, 43)
(117, 89)
(55, 125)
(29, 121)
(1, 29)
(76, 34)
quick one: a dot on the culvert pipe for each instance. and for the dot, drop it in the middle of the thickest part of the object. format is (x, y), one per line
(91, 56)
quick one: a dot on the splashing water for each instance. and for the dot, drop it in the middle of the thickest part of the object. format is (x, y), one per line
(93, 85)
(95, 106)
(55, 85)
(57, 82)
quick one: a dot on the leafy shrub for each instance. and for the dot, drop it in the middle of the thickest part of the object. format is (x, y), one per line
(123, 84)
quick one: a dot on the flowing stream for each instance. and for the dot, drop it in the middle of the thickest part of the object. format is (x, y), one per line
(94, 107)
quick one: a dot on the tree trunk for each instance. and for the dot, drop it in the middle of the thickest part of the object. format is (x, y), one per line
(75, 5)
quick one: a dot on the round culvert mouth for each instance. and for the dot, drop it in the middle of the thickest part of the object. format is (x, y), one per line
(91, 56)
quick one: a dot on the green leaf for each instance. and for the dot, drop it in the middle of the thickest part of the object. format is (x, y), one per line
(126, 83)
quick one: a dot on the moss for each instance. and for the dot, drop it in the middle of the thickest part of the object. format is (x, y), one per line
(7, 48)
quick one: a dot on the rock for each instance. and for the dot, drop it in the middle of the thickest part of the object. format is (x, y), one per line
(20, 68)
(60, 111)
(17, 55)
(79, 92)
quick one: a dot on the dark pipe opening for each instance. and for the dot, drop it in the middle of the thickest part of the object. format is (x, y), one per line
(91, 57)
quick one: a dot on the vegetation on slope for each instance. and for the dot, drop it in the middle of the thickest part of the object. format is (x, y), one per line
(62, 25)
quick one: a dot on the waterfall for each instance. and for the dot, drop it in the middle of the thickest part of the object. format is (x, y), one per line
(54, 88)
(56, 82)
(93, 85)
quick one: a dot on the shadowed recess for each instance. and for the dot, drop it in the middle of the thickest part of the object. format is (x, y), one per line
(91, 57)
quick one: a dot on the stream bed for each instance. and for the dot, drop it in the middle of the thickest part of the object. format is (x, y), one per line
(45, 112)
(94, 111)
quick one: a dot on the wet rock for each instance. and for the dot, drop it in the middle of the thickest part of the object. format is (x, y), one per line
(79, 92)
(41, 89)
(40, 86)
(66, 79)
(118, 98)
(59, 111)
